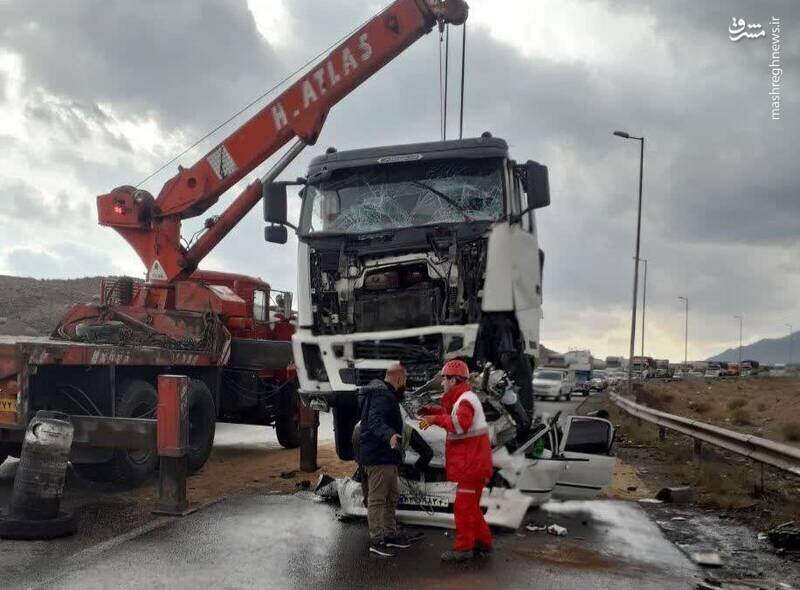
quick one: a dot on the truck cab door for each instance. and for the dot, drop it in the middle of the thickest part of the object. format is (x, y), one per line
(586, 449)
(513, 272)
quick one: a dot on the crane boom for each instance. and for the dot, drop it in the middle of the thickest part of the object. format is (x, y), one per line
(152, 225)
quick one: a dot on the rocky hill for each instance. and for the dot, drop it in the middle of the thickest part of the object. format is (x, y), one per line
(33, 307)
(768, 350)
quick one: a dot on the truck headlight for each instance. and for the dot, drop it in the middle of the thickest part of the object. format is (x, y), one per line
(312, 359)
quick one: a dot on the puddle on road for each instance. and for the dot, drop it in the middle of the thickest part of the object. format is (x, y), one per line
(567, 554)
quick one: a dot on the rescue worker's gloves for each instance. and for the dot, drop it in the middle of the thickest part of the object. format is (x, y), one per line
(425, 422)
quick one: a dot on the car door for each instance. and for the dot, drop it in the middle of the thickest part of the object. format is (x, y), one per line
(586, 446)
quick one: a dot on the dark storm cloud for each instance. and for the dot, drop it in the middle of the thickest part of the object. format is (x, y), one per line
(721, 184)
(20, 202)
(187, 62)
(79, 121)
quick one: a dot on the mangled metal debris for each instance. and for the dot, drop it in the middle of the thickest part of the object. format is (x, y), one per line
(533, 463)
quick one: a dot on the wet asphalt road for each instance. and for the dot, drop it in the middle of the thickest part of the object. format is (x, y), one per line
(295, 542)
(257, 542)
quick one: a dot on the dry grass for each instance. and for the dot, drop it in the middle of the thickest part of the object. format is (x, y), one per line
(764, 406)
(700, 407)
(742, 417)
(791, 431)
(737, 403)
(725, 486)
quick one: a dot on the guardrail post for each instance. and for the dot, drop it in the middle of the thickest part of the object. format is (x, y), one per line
(698, 451)
(309, 423)
(172, 436)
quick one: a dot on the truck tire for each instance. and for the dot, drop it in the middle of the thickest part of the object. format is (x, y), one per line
(202, 424)
(287, 422)
(127, 467)
(345, 416)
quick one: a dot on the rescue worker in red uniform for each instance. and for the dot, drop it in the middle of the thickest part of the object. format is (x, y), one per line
(468, 458)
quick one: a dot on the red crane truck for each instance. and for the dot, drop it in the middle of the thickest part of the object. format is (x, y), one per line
(219, 329)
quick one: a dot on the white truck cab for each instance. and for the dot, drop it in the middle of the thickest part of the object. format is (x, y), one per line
(416, 254)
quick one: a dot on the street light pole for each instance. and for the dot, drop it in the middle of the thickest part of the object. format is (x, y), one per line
(625, 135)
(644, 300)
(686, 334)
(738, 317)
(791, 344)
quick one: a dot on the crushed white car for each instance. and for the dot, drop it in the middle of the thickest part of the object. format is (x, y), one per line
(568, 459)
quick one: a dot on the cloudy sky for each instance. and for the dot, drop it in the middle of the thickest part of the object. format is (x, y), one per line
(98, 93)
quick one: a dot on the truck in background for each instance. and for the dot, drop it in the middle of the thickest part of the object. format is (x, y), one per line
(749, 368)
(663, 369)
(643, 367)
(616, 363)
(579, 363)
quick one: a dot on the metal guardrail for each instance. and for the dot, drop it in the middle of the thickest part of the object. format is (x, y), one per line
(759, 449)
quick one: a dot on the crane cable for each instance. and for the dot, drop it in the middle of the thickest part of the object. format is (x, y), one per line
(441, 90)
(259, 98)
(444, 78)
(463, 67)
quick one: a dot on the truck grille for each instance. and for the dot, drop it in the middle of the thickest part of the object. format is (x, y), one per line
(413, 350)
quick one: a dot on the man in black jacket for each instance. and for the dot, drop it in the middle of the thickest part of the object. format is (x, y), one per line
(379, 454)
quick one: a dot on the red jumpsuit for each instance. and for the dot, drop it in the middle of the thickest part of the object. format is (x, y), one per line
(468, 462)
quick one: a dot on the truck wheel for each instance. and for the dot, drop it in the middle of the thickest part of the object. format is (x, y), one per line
(345, 416)
(202, 424)
(127, 467)
(287, 422)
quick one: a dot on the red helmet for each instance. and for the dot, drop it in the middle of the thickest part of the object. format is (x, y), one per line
(455, 368)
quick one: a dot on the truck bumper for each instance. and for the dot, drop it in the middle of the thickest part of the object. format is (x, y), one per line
(334, 365)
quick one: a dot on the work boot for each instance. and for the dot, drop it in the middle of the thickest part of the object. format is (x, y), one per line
(381, 549)
(455, 556)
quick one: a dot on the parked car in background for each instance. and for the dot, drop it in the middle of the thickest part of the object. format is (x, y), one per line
(552, 383)
(599, 381)
(616, 377)
(714, 370)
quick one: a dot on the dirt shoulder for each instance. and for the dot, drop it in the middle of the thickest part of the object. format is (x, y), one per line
(764, 406)
(741, 489)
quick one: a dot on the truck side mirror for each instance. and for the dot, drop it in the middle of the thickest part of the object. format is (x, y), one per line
(277, 234)
(537, 185)
(274, 196)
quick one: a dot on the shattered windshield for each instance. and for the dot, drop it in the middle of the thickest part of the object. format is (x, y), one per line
(392, 196)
